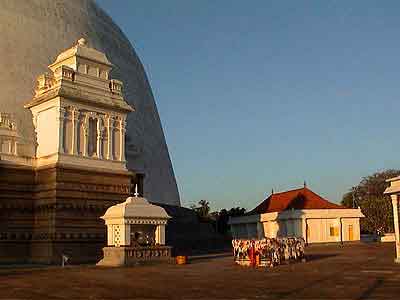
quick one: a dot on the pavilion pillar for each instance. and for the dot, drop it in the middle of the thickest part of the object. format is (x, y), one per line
(340, 230)
(304, 229)
(160, 234)
(395, 204)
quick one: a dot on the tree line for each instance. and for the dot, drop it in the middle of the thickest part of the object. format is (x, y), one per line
(377, 207)
(219, 219)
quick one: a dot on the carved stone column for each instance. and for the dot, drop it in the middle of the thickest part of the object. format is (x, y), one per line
(85, 135)
(99, 139)
(9, 150)
(60, 124)
(110, 134)
(15, 152)
(395, 202)
(75, 131)
(122, 131)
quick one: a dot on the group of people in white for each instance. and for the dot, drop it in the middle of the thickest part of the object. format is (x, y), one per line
(268, 252)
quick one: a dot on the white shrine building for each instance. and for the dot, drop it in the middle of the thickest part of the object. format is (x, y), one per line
(135, 233)
(299, 213)
(82, 110)
(54, 191)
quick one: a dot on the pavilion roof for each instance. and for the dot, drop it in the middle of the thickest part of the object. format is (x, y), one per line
(302, 198)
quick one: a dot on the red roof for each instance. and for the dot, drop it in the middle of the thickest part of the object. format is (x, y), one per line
(297, 199)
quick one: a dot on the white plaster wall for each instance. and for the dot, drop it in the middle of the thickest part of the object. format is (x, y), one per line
(291, 227)
(314, 233)
(293, 223)
(110, 235)
(319, 230)
(355, 222)
(271, 229)
(47, 132)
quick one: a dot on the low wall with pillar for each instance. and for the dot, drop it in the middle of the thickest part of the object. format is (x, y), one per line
(394, 190)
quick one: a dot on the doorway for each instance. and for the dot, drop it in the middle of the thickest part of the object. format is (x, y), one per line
(350, 232)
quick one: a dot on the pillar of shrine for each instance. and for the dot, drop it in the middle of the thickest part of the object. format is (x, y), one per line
(394, 190)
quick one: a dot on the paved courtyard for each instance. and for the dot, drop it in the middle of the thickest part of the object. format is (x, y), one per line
(356, 271)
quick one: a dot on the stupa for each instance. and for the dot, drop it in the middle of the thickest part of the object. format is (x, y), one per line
(69, 148)
(34, 33)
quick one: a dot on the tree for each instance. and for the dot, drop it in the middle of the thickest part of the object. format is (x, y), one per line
(203, 210)
(224, 215)
(348, 199)
(378, 215)
(219, 220)
(376, 206)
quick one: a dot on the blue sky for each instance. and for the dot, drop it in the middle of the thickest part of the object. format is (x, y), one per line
(255, 95)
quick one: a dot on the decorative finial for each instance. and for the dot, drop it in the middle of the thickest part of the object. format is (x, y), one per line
(136, 194)
(305, 184)
(82, 42)
(272, 191)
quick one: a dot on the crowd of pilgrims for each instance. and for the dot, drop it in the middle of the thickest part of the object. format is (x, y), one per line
(268, 252)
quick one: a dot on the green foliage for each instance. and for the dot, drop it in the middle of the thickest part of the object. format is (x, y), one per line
(223, 218)
(376, 206)
(348, 200)
(378, 215)
(219, 220)
(202, 210)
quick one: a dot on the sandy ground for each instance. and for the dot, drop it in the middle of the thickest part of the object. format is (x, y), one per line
(353, 271)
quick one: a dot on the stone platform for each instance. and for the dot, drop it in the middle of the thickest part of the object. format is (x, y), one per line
(130, 256)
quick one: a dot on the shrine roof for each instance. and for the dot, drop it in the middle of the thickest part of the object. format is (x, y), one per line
(302, 198)
(80, 49)
(135, 207)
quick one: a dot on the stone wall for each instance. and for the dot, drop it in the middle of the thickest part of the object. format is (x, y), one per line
(56, 210)
(16, 213)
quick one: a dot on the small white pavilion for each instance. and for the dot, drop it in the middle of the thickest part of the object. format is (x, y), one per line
(135, 233)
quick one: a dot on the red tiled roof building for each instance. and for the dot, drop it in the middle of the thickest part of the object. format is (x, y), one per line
(294, 199)
(299, 212)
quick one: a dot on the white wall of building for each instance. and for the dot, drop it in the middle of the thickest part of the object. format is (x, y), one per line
(315, 226)
(351, 229)
(48, 135)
